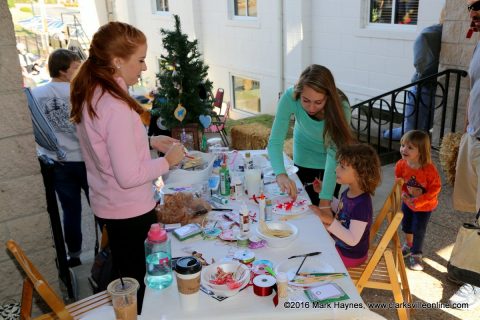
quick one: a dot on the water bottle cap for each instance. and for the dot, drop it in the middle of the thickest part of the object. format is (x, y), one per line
(156, 233)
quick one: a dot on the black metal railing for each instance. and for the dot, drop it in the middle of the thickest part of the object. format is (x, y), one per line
(430, 104)
(78, 39)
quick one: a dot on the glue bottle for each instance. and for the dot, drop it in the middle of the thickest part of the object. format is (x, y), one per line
(224, 179)
(261, 207)
(244, 220)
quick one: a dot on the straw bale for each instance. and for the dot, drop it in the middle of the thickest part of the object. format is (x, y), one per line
(288, 148)
(448, 154)
(252, 136)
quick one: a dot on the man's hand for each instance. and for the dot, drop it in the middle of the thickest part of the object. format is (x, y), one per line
(162, 143)
(287, 185)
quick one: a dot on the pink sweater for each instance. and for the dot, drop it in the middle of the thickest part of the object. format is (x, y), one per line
(120, 169)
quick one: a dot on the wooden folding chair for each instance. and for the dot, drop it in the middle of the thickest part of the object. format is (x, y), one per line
(385, 268)
(34, 280)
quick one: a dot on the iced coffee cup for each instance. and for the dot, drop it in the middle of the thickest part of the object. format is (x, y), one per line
(188, 271)
(124, 298)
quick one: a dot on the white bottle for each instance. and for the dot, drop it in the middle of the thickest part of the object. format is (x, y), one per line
(244, 220)
(248, 161)
(261, 206)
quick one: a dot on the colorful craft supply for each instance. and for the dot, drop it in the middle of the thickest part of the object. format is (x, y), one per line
(242, 240)
(263, 285)
(244, 256)
(211, 233)
(260, 266)
(256, 243)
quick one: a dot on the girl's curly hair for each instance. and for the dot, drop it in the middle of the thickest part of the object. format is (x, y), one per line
(366, 163)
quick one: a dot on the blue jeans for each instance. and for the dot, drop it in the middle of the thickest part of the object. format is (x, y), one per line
(415, 222)
(426, 109)
(70, 179)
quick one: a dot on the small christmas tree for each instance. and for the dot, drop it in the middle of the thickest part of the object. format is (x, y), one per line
(184, 93)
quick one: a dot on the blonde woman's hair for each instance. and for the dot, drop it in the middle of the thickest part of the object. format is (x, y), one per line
(421, 141)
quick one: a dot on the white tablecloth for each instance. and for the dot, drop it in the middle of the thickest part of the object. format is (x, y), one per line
(312, 237)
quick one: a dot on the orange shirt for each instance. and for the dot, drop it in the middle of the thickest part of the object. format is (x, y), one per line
(424, 181)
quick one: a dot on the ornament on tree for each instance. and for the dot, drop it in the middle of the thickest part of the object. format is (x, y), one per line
(205, 120)
(180, 112)
(183, 77)
(161, 124)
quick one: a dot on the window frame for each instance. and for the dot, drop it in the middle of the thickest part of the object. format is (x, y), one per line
(232, 86)
(242, 17)
(392, 18)
(165, 5)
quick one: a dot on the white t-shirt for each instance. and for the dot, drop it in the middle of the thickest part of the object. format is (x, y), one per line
(54, 101)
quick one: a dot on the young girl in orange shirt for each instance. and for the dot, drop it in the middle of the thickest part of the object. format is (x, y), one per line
(419, 192)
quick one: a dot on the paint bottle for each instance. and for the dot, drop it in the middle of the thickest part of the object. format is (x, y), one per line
(268, 210)
(261, 206)
(244, 220)
(224, 180)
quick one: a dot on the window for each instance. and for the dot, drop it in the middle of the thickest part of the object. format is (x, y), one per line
(245, 8)
(161, 5)
(246, 94)
(394, 11)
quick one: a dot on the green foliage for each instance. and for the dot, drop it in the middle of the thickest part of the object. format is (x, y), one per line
(11, 3)
(183, 79)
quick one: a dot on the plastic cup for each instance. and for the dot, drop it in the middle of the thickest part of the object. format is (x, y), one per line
(253, 179)
(124, 298)
(187, 271)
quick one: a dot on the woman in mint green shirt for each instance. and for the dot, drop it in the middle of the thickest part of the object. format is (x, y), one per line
(322, 116)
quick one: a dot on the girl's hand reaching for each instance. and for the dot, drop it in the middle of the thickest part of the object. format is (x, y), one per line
(287, 185)
(175, 154)
(325, 214)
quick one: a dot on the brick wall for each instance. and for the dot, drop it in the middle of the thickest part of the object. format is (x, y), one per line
(23, 215)
(457, 51)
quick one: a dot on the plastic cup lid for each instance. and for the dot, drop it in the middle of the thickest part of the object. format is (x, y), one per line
(130, 286)
(188, 265)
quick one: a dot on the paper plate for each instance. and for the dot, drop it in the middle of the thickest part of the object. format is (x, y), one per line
(283, 205)
(311, 265)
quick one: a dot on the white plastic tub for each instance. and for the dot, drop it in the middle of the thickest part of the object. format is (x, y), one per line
(191, 176)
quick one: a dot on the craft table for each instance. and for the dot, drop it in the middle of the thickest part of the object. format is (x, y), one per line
(165, 304)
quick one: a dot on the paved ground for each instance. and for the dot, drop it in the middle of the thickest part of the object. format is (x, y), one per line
(429, 285)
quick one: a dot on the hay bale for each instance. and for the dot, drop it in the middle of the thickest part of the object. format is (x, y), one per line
(250, 136)
(448, 154)
(288, 147)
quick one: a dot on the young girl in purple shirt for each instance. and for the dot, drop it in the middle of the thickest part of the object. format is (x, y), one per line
(359, 168)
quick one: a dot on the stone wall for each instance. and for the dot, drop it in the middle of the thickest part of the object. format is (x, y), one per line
(23, 215)
(456, 52)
